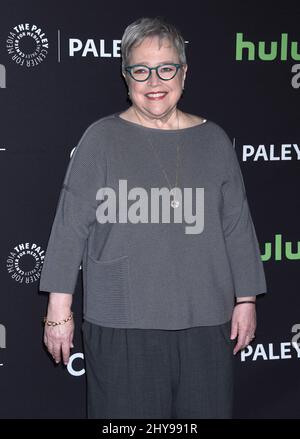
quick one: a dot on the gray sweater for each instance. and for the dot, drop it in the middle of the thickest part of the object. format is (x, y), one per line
(147, 274)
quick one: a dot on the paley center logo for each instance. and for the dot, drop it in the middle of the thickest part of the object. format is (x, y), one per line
(271, 152)
(27, 45)
(24, 263)
(92, 48)
(89, 47)
(282, 50)
(138, 212)
(286, 350)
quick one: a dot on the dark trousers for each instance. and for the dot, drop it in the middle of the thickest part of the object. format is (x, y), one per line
(157, 373)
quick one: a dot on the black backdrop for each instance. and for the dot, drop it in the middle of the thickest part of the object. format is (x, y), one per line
(46, 106)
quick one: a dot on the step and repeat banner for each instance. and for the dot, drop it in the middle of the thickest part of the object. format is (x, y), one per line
(60, 70)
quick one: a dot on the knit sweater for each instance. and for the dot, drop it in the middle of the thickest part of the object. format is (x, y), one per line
(146, 264)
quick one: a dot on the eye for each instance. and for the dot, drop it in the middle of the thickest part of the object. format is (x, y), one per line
(139, 71)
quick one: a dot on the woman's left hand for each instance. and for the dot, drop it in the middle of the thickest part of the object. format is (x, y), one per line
(243, 325)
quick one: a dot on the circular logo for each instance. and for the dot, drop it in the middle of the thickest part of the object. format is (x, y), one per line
(27, 45)
(25, 263)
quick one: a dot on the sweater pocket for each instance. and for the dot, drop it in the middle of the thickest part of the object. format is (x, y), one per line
(107, 295)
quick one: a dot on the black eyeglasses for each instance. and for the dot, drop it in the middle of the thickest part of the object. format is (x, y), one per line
(140, 72)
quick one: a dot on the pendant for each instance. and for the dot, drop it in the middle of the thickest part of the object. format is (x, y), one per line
(174, 203)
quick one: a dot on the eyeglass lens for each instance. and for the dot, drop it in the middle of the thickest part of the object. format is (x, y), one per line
(166, 71)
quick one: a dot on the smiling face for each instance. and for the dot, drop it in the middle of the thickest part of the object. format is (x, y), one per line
(149, 53)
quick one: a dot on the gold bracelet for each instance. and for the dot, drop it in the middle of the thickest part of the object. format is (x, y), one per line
(61, 322)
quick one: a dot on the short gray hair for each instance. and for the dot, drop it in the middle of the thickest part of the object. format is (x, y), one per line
(145, 27)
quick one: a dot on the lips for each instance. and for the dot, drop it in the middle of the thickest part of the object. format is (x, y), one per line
(156, 95)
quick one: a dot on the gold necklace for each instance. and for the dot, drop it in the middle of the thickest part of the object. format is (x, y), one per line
(175, 202)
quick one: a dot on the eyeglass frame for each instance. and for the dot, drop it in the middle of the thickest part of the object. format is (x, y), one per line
(177, 65)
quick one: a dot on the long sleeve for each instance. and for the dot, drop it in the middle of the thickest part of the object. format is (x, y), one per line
(239, 233)
(75, 214)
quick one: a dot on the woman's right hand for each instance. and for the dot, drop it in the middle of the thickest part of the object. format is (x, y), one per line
(59, 339)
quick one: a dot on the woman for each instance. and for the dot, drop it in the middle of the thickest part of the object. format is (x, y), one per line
(166, 303)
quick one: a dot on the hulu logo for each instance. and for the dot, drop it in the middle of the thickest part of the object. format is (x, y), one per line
(2, 76)
(2, 337)
(280, 250)
(281, 50)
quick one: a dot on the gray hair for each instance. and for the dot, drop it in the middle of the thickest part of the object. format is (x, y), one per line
(142, 28)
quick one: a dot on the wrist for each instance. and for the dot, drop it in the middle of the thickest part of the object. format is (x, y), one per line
(58, 314)
(56, 311)
(246, 298)
(250, 302)
(60, 303)
(48, 322)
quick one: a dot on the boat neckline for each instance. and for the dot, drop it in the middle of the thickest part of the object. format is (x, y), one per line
(161, 130)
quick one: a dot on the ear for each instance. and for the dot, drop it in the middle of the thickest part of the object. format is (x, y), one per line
(125, 79)
(185, 68)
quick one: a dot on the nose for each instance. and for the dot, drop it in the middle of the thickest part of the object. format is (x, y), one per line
(153, 79)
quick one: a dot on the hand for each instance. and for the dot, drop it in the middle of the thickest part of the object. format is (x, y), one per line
(243, 325)
(59, 340)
